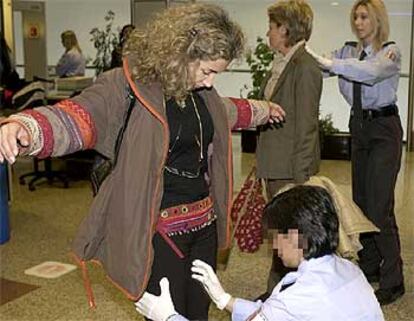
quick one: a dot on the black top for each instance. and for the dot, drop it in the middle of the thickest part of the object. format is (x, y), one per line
(184, 177)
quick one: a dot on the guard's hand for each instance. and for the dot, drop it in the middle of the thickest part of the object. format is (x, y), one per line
(11, 136)
(324, 62)
(391, 55)
(157, 308)
(204, 273)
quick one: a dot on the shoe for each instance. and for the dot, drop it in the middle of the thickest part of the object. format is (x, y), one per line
(263, 297)
(387, 296)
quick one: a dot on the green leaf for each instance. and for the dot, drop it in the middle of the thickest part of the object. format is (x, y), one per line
(258, 62)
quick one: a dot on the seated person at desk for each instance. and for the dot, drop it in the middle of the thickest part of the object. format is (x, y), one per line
(325, 287)
(72, 63)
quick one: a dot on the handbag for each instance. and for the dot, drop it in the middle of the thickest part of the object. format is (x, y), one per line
(247, 213)
(103, 165)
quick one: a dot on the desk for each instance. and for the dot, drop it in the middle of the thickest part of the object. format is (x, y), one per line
(54, 96)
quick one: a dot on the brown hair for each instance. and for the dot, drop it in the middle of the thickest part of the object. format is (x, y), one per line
(377, 13)
(296, 16)
(180, 35)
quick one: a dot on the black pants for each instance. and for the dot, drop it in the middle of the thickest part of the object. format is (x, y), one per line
(376, 160)
(188, 295)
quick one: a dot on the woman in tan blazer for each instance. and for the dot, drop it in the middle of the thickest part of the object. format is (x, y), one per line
(290, 153)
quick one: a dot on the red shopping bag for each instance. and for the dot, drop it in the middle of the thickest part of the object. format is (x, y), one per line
(247, 213)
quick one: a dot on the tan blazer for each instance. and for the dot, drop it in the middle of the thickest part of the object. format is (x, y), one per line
(292, 151)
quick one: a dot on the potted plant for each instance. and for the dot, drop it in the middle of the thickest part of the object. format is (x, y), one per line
(334, 144)
(259, 62)
(104, 41)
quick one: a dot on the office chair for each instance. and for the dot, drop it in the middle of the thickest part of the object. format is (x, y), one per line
(31, 96)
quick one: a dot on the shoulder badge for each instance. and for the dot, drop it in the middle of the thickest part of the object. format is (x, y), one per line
(388, 43)
(351, 43)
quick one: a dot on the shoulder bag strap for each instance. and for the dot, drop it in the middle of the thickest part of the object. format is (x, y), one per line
(132, 100)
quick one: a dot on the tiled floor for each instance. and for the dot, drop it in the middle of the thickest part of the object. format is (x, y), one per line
(44, 222)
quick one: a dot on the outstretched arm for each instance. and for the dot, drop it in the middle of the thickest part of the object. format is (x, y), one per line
(79, 123)
(250, 113)
(386, 63)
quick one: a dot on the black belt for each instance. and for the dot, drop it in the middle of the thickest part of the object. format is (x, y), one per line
(390, 110)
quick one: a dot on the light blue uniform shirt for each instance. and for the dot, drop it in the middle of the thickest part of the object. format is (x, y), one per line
(72, 63)
(325, 289)
(328, 288)
(378, 74)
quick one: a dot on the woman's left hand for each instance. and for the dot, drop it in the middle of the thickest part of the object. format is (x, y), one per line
(276, 113)
(272, 111)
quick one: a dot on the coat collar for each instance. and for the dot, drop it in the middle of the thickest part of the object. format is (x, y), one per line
(288, 69)
(151, 95)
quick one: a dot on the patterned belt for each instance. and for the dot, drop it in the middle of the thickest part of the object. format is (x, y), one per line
(185, 218)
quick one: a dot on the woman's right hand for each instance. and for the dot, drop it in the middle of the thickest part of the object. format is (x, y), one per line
(13, 137)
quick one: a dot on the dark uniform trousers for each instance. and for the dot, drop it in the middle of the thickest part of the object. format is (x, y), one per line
(376, 160)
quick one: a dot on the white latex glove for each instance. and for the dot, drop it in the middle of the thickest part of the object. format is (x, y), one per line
(204, 273)
(157, 308)
(324, 62)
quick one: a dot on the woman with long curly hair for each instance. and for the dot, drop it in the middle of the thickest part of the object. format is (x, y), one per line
(168, 199)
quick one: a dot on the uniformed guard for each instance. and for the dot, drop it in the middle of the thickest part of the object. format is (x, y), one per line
(368, 72)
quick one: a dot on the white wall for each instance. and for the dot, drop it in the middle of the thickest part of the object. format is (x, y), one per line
(80, 16)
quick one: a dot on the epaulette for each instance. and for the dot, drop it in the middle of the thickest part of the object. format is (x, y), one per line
(351, 43)
(388, 43)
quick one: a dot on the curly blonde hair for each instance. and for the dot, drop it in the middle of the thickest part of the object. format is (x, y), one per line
(162, 50)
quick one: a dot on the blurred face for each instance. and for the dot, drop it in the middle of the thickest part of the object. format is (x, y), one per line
(289, 247)
(277, 37)
(202, 73)
(364, 27)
